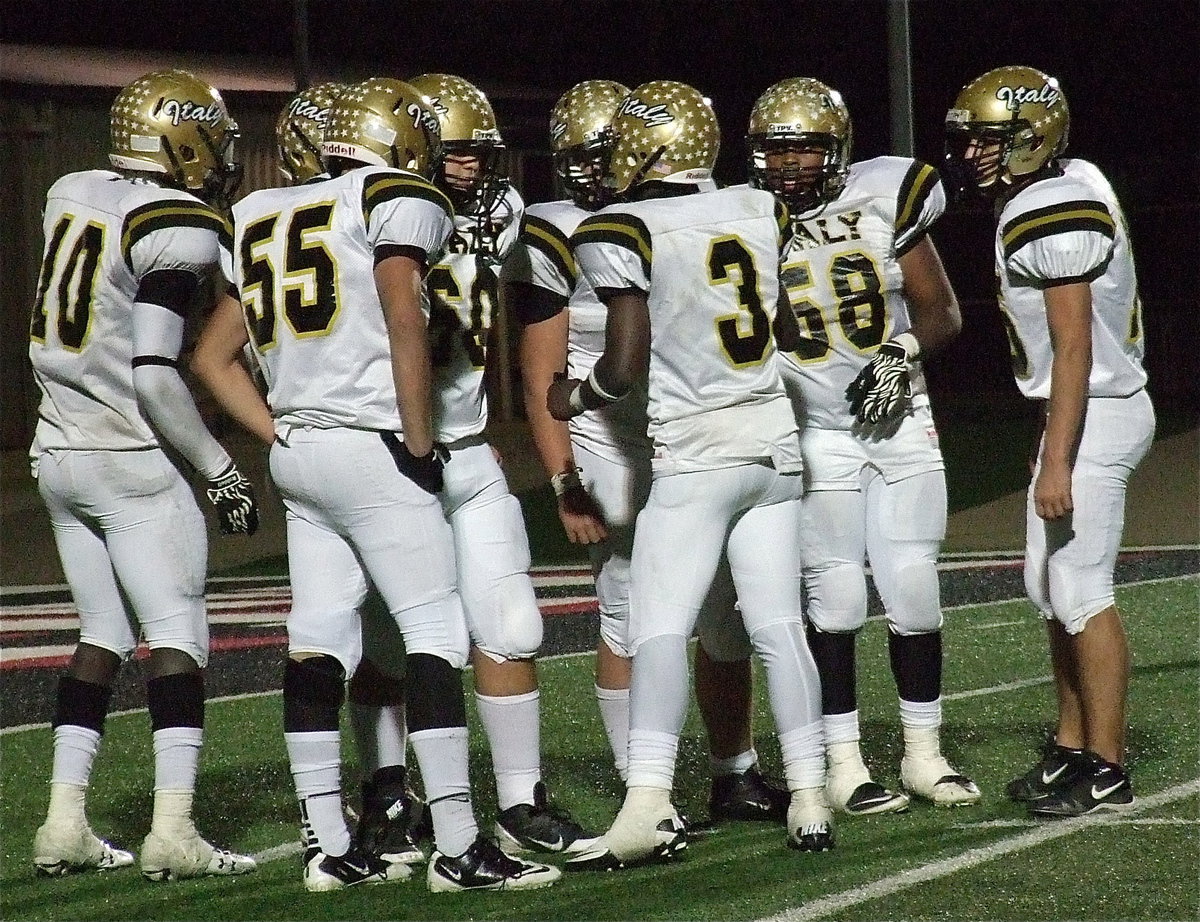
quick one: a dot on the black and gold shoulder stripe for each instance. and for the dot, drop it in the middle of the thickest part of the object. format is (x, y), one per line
(784, 220)
(622, 229)
(384, 187)
(1079, 214)
(146, 219)
(550, 242)
(920, 180)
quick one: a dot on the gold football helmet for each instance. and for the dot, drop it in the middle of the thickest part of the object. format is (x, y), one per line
(581, 138)
(665, 131)
(383, 122)
(172, 123)
(1005, 126)
(468, 130)
(795, 114)
(299, 130)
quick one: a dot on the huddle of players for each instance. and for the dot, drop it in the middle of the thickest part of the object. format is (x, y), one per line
(754, 447)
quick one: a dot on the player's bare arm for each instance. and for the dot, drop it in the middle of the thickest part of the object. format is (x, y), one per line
(217, 361)
(398, 281)
(933, 308)
(1069, 313)
(543, 354)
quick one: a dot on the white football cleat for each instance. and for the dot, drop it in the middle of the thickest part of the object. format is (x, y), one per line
(189, 856)
(647, 830)
(61, 848)
(934, 779)
(810, 821)
(325, 873)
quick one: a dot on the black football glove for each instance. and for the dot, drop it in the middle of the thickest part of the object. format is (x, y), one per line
(425, 471)
(232, 494)
(882, 388)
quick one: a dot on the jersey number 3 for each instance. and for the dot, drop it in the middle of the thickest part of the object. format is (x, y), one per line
(746, 334)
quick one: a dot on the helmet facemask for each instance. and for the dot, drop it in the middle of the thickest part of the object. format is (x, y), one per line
(481, 191)
(775, 165)
(580, 171)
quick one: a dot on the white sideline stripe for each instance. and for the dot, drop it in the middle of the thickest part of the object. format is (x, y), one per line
(1116, 820)
(278, 852)
(584, 573)
(971, 693)
(1046, 832)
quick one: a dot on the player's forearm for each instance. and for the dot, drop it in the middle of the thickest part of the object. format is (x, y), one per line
(168, 405)
(932, 306)
(217, 362)
(544, 352)
(1069, 316)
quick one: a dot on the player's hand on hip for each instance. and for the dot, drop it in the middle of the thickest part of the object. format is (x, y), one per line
(883, 388)
(423, 470)
(1052, 491)
(233, 496)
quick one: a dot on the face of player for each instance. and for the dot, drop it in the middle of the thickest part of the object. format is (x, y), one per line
(463, 170)
(983, 156)
(795, 166)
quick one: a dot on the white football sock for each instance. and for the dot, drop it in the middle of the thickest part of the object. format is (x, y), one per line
(511, 723)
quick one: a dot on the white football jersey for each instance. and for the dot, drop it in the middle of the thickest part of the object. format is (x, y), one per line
(303, 261)
(104, 233)
(547, 262)
(709, 263)
(463, 293)
(1063, 229)
(842, 275)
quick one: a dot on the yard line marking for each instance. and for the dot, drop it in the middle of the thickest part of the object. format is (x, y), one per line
(1003, 687)
(1051, 829)
(994, 625)
(1116, 820)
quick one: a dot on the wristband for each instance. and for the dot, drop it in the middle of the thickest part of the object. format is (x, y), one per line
(565, 480)
(912, 347)
(599, 391)
(575, 398)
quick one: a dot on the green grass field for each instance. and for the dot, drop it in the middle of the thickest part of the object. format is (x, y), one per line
(987, 862)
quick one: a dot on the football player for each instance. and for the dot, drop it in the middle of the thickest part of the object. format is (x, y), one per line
(491, 546)
(599, 466)
(329, 275)
(872, 300)
(130, 253)
(689, 277)
(1069, 301)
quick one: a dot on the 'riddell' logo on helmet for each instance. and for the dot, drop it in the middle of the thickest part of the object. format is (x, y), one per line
(653, 116)
(184, 110)
(1014, 97)
(303, 108)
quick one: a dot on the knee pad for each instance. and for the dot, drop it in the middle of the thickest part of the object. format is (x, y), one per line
(917, 607)
(837, 597)
(313, 690)
(433, 689)
(610, 563)
(513, 629)
(1079, 592)
(1036, 587)
(336, 634)
(438, 628)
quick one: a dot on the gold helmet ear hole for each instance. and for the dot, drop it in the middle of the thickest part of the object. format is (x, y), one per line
(187, 153)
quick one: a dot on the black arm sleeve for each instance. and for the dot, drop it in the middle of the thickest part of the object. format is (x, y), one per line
(387, 250)
(532, 303)
(174, 289)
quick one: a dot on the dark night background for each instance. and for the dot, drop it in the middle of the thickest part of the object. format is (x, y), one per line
(1129, 70)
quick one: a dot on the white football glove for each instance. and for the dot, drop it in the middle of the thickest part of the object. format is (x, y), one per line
(232, 494)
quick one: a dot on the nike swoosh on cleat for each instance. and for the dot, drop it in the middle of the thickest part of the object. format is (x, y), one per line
(1100, 794)
(1051, 777)
(552, 846)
